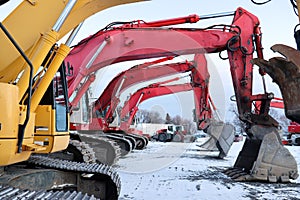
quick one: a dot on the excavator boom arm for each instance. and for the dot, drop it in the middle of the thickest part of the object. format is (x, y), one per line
(146, 93)
(135, 76)
(199, 84)
(131, 44)
(38, 18)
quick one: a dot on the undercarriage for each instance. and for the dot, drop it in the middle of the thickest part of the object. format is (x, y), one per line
(42, 173)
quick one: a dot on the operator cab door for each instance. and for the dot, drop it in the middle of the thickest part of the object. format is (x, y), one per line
(52, 121)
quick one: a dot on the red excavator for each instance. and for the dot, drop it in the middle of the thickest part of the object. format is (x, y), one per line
(294, 133)
(108, 144)
(109, 99)
(261, 157)
(221, 133)
(130, 107)
(82, 122)
(108, 150)
(127, 142)
(199, 80)
(94, 120)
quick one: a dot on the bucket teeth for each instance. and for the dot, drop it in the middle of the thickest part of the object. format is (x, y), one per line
(232, 170)
(237, 174)
(273, 163)
(286, 73)
(241, 175)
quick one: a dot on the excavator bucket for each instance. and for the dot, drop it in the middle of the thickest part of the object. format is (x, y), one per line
(221, 138)
(286, 73)
(264, 158)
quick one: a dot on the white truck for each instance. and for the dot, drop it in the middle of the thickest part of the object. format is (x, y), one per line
(151, 129)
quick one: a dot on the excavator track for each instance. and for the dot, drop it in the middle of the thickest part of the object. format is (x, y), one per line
(77, 151)
(126, 142)
(88, 154)
(9, 193)
(131, 139)
(50, 174)
(106, 150)
(140, 141)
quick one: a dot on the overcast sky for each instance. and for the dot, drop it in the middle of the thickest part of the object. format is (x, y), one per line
(277, 21)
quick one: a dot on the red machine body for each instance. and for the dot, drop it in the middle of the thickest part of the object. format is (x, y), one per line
(294, 127)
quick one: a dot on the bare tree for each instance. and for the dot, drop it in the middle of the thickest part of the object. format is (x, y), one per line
(177, 120)
(155, 118)
(189, 126)
(143, 116)
(239, 125)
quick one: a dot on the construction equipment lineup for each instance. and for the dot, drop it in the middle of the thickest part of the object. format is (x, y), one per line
(58, 142)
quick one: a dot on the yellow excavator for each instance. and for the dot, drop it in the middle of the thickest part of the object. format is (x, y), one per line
(34, 105)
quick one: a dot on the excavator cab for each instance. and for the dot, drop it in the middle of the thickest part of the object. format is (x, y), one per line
(52, 122)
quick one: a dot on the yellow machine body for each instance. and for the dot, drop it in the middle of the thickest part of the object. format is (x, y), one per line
(46, 134)
(31, 26)
(11, 116)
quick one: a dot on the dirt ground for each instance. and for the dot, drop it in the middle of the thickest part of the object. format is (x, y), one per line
(185, 171)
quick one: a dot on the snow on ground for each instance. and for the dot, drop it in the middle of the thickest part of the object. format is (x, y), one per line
(185, 171)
